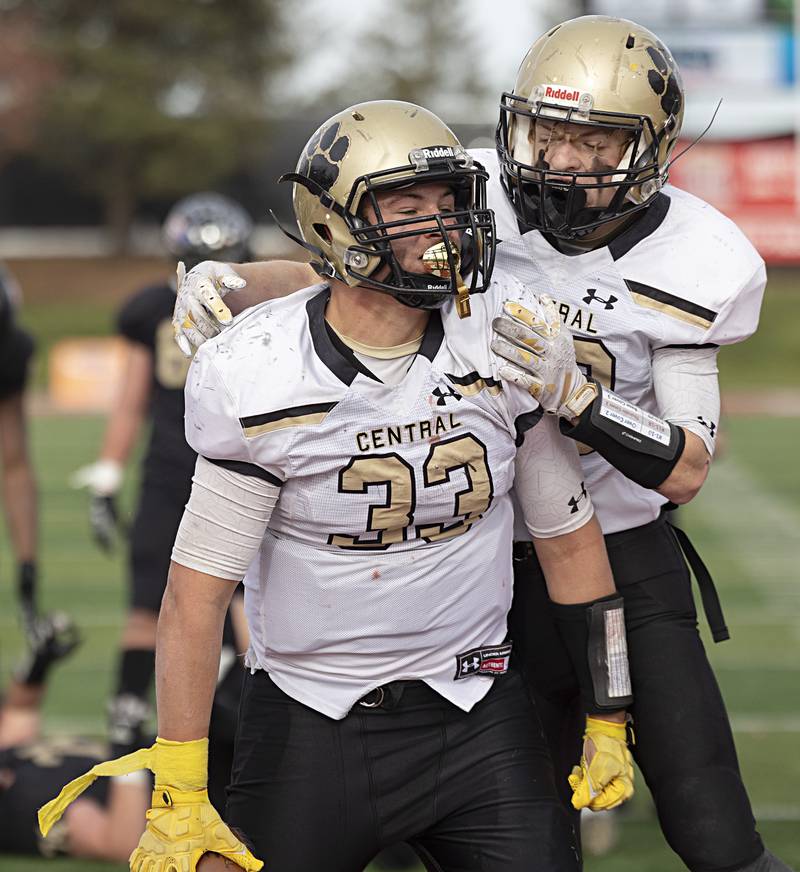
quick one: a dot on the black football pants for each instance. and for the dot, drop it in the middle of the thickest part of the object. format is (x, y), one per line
(684, 745)
(472, 792)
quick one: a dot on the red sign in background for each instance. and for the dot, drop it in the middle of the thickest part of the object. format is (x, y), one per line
(754, 184)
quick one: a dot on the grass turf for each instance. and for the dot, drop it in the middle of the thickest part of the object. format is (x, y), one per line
(745, 524)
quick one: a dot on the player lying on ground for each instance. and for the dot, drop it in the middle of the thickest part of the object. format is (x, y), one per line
(107, 821)
(650, 280)
(356, 454)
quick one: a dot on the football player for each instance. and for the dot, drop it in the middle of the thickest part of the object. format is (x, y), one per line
(18, 479)
(109, 818)
(19, 482)
(650, 281)
(198, 226)
(356, 455)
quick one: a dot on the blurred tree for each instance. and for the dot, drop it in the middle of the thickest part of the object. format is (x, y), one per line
(155, 98)
(780, 10)
(419, 51)
(25, 75)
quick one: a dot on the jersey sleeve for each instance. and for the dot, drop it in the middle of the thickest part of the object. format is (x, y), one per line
(686, 385)
(214, 428)
(738, 317)
(549, 482)
(701, 275)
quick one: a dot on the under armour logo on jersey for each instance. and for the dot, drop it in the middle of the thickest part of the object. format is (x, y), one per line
(709, 425)
(483, 661)
(441, 396)
(471, 665)
(574, 502)
(591, 297)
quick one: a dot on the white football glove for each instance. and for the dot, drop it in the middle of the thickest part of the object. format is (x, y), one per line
(102, 479)
(538, 355)
(199, 311)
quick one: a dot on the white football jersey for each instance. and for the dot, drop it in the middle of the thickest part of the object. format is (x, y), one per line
(388, 554)
(683, 275)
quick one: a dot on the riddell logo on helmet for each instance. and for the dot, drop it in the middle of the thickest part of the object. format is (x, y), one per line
(565, 96)
(438, 151)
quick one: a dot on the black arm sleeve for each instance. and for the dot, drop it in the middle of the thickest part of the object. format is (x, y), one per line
(642, 459)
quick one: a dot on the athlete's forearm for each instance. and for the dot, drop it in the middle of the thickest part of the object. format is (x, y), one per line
(20, 720)
(130, 407)
(267, 280)
(589, 615)
(187, 651)
(575, 565)
(690, 471)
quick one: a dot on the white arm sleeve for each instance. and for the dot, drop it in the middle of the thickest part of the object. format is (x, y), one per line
(687, 389)
(549, 482)
(224, 521)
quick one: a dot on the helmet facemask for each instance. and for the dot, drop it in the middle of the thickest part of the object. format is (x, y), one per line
(555, 200)
(446, 260)
(357, 245)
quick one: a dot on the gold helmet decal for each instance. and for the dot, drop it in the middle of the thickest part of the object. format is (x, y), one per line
(351, 162)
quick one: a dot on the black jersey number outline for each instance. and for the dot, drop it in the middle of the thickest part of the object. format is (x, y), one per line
(392, 519)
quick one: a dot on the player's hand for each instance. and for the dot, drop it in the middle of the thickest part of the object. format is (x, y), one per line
(604, 778)
(105, 523)
(199, 312)
(102, 479)
(539, 356)
(50, 638)
(182, 826)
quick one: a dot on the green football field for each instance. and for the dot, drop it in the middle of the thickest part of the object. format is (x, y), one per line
(746, 523)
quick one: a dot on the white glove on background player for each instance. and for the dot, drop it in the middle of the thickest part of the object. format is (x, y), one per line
(539, 356)
(102, 479)
(199, 311)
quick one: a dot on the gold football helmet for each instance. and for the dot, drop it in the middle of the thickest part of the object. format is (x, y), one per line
(606, 73)
(378, 146)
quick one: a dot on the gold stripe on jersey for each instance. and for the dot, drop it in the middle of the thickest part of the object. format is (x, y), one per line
(669, 304)
(296, 416)
(471, 384)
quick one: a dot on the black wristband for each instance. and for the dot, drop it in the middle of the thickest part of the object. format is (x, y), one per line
(594, 636)
(645, 460)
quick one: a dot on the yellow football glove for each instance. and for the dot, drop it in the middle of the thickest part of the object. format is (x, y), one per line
(182, 825)
(604, 778)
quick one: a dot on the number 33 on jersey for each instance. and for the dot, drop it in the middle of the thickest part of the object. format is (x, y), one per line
(383, 491)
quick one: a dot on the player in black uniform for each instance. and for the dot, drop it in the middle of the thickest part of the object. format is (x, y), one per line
(108, 819)
(43, 632)
(199, 226)
(18, 481)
